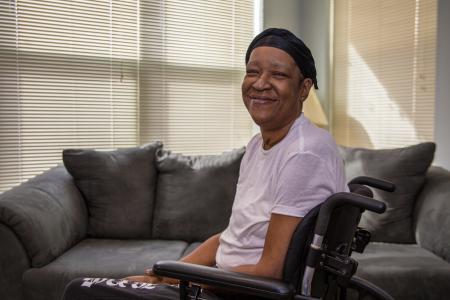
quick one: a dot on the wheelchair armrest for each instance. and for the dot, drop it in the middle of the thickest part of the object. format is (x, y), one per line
(233, 281)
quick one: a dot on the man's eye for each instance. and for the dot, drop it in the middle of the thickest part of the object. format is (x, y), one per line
(279, 74)
(251, 72)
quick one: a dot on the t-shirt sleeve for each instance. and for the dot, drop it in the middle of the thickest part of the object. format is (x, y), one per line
(304, 181)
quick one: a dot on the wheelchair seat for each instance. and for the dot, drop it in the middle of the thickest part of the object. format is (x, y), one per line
(318, 262)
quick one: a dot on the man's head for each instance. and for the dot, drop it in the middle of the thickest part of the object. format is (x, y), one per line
(285, 40)
(280, 71)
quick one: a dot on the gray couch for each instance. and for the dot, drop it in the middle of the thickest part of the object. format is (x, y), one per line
(419, 270)
(112, 214)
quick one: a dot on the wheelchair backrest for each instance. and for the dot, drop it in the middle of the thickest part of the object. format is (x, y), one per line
(295, 261)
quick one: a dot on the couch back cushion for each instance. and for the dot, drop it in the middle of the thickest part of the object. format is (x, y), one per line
(406, 168)
(194, 194)
(119, 188)
(47, 214)
(432, 211)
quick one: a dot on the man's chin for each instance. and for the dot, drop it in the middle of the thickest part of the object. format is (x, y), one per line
(261, 116)
(261, 122)
(270, 123)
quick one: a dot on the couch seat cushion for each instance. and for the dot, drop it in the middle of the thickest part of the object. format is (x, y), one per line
(405, 271)
(98, 258)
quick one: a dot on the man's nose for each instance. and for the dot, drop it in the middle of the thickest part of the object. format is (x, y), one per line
(262, 83)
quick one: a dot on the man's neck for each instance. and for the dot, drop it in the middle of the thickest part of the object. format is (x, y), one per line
(271, 137)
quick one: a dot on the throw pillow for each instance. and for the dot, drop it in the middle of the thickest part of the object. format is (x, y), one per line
(194, 194)
(119, 189)
(406, 168)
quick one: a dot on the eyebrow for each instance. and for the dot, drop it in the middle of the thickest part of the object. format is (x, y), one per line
(273, 64)
(278, 65)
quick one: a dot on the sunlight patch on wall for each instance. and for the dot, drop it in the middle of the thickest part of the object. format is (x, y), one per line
(370, 105)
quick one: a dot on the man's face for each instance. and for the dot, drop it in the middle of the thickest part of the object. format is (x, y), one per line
(273, 88)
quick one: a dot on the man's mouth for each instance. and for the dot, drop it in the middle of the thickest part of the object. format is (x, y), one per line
(261, 100)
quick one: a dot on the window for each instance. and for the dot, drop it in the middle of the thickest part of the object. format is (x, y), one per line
(192, 63)
(69, 72)
(110, 74)
(384, 78)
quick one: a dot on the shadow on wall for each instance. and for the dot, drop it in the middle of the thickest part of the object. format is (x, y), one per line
(359, 136)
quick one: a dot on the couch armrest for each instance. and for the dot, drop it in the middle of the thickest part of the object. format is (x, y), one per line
(13, 263)
(47, 214)
(432, 208)
(233, 281)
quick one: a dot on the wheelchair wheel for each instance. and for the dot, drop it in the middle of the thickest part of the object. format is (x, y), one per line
(360, 289)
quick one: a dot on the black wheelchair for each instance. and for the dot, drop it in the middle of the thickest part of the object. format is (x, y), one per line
(318, 263)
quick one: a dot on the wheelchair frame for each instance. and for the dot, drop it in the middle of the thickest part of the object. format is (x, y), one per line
(325, 257)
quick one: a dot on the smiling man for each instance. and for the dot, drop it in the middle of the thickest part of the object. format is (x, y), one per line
(288, 168)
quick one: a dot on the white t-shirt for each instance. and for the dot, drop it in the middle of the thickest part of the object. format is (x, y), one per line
(291, 178)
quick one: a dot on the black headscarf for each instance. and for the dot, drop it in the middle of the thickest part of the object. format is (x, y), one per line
(285, 40)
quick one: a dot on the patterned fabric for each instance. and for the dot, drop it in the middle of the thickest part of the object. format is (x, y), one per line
(122, 289)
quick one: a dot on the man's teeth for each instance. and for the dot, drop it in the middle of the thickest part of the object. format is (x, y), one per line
(259, 100)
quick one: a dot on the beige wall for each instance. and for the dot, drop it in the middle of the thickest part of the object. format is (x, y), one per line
(442, 114)
(310, 20)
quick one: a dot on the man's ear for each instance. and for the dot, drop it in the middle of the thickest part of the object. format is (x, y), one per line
(305, 86)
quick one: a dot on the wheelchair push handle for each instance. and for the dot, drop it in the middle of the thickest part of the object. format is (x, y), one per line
(340, 199)
(374, 182)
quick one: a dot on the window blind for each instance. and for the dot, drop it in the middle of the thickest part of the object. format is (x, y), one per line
(69, 79)
(192, 66)
(116, 73)
(384, 72)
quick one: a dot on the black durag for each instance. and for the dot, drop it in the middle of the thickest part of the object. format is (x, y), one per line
(285, 40)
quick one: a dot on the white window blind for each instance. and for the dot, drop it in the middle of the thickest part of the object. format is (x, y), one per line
(69, 72)
(116, 73)
(192, 65)
(384, 72)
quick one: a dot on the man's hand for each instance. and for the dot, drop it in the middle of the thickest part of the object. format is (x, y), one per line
(145, 278)
(205, 254)
(151, 277)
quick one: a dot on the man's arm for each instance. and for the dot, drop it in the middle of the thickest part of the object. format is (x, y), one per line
(271, 263)
(205, 254)
(278, 238)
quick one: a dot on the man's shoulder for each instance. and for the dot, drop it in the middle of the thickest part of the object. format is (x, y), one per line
(310, 139)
